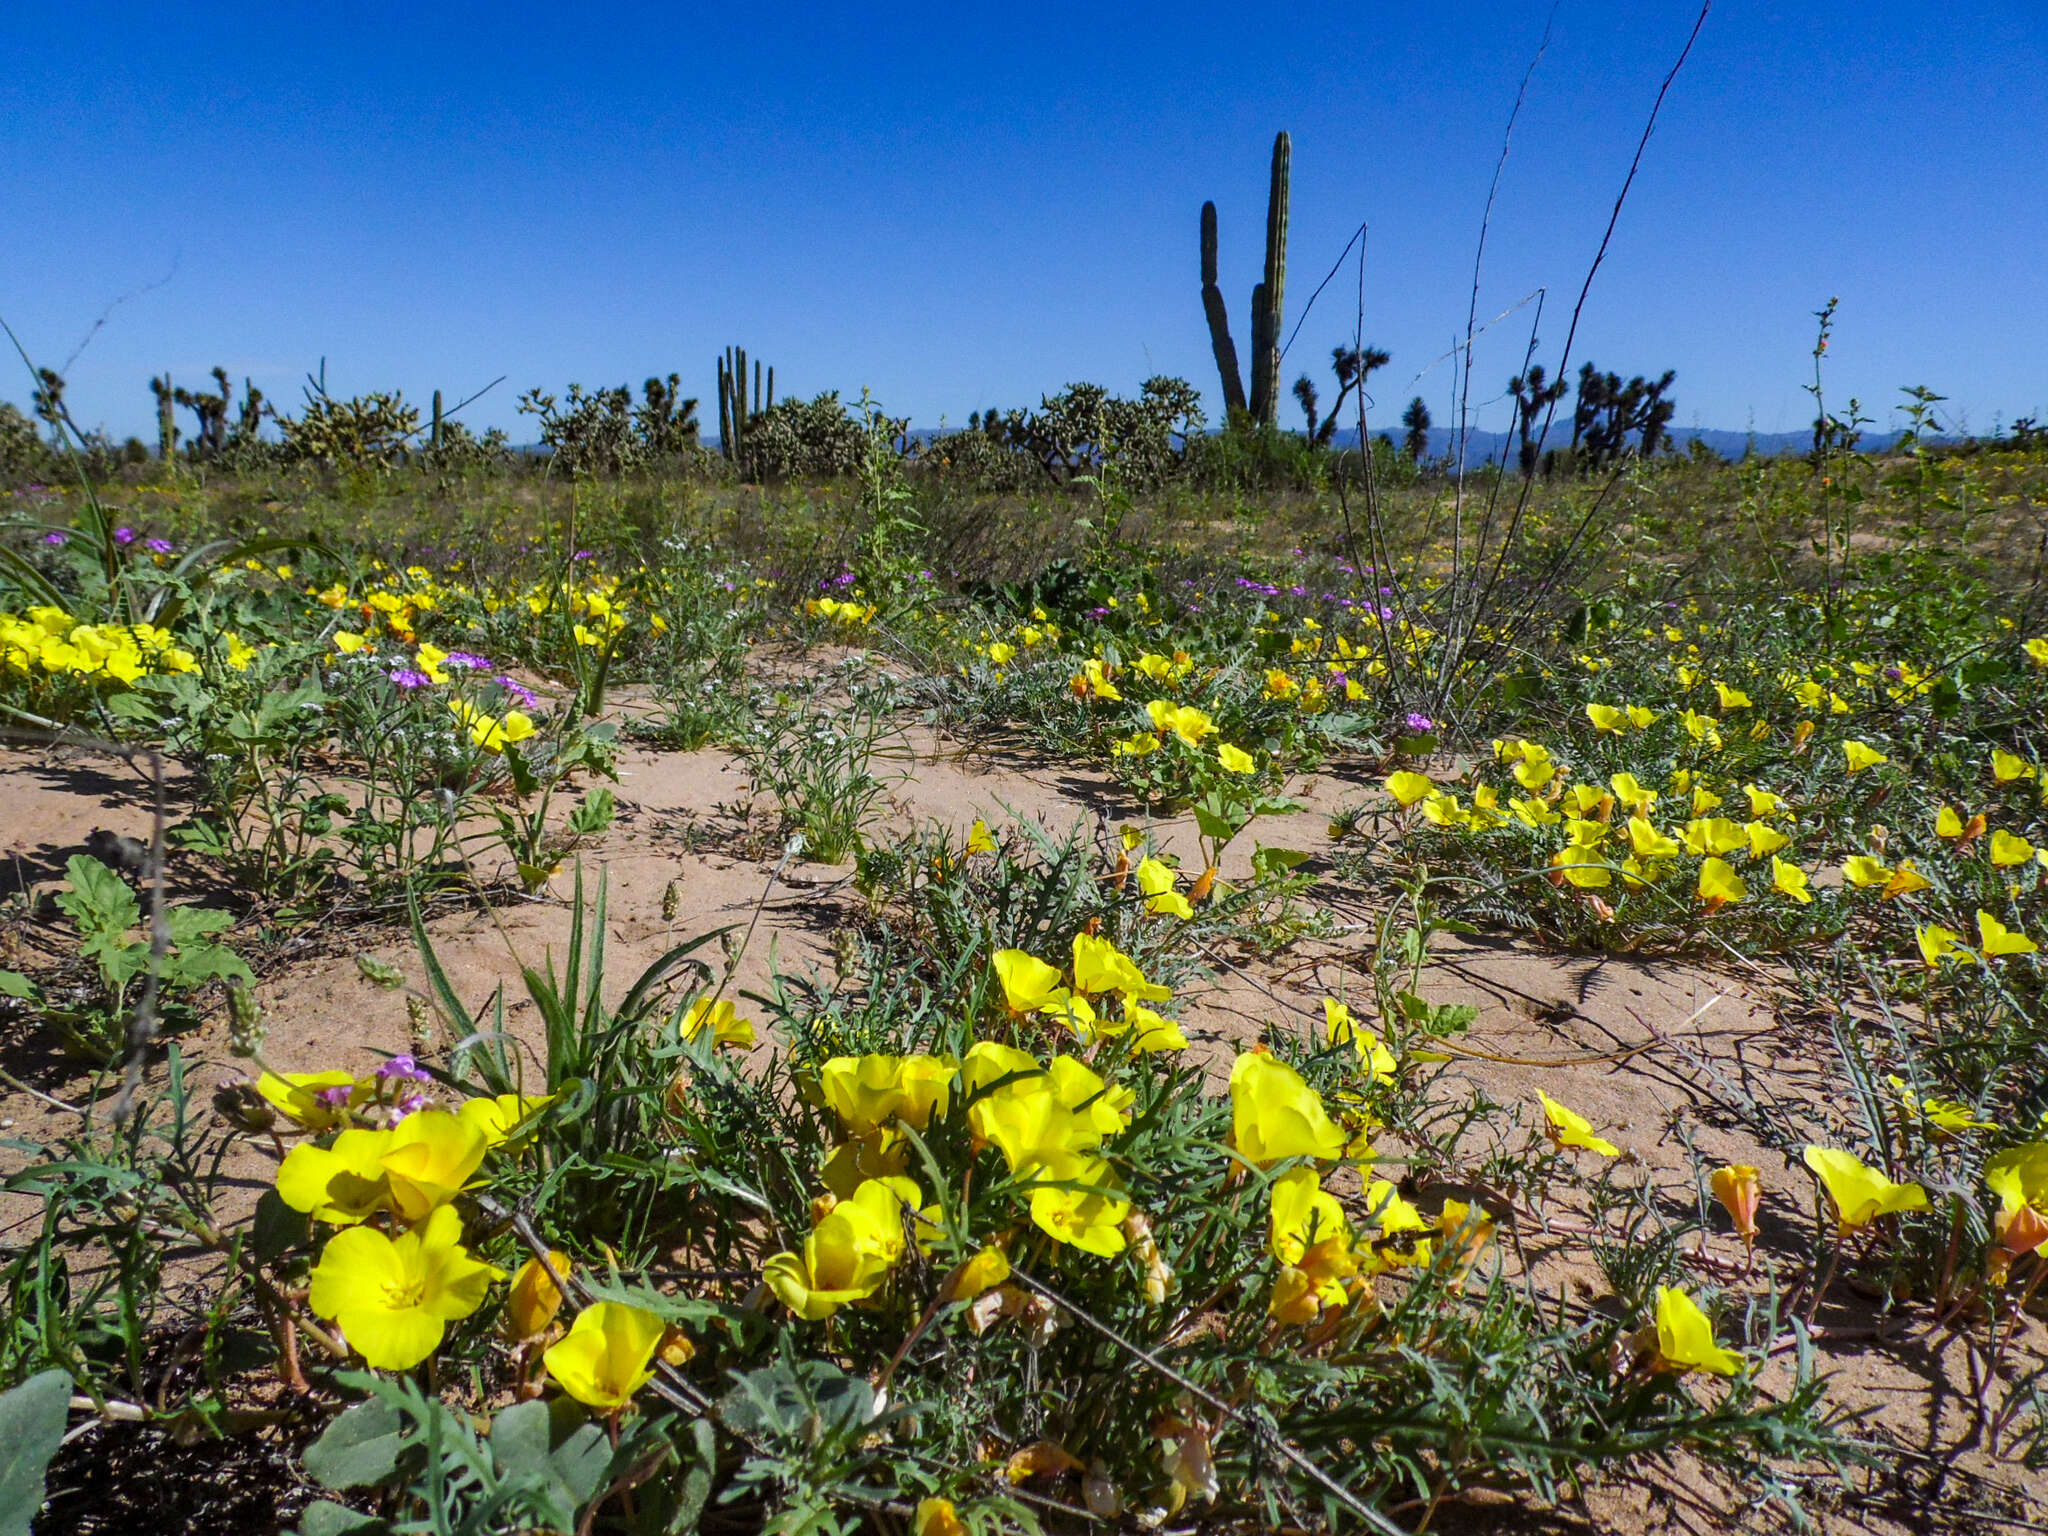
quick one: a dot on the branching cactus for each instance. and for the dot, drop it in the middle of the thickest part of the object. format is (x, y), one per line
(1268, 301)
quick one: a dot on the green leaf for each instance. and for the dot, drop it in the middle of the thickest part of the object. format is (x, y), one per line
(277, 1228)
(594, 814)
(99, 900)
(360, 1449)
(32, 1419)
(381, 973)
(558, 1445)
(327, 1518)
(1212, 825)
(14, 984)
(1270, 863)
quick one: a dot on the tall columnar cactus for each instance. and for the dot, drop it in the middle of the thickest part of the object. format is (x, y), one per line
(1268, 301)
(734, 414)
(166, 418)
(1267, 297)
(1219, 317)
(434, 440)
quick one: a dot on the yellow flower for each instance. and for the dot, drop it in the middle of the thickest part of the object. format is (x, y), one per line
(1685, 1338)
(978, 839)
(1762, 802)
(1310, 1237)
(1629, 791)
(395, 1297)
(2001, 940)
(1073, 1201)
(2008, 850)
(2037, 649)
(1099, 966)
(1740, 1190)
(499, 1119)
(2008, 766)
(1156, 882)
(1143, 743)
(1719, 884)
(1860, 1194)
(488, 731)
(1236, 759)
(342, 1184)
(1409, 788)
(608, 1355)
(1606, 717)
(1583, 867)
(1641, 717)
(1344, 1030)
(1714, 834)
(348, 641)
(865, 1092)
(1002, 654)
(937, 1517)
(1903, 881)
(2019, 1177)
(1938, 944)
(1534, 813)
(429, 1159)
(1274, 1114)
(533, 1300)
(1183, 720)
(721, 1019)
(1152, 1031)
(846, 1257)
(1862, 756)
(1731, 698)
(988, 1269)
(1864, 870)
(1764, 839)
(1535, 768)
(1790, 880)
(297, 1095)
(1945, 1117)
(1648, 843)
(1569, 1128)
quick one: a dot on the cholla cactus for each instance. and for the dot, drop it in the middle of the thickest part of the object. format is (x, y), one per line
(367, 430)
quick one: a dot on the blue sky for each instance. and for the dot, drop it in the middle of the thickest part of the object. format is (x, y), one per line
(968, 206)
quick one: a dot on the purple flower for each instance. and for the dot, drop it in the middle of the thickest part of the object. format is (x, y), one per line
(159, 546)
(410, 1105)
(408, 678)
(519, 691)
(844, 579)
(583, 554)
(402, 1068)
(466, 661)
(124, 535)
(1418, 723)
(336, 1098)
(55, 538)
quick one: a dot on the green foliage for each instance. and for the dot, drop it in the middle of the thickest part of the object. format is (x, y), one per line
(32, 1420)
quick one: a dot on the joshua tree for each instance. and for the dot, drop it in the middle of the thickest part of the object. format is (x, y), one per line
(1608, 412)
(1352, 368)
(1267, 301)
(1416, 420)
(1533, 396)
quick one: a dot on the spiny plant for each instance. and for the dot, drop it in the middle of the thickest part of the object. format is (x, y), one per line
(1268, 302)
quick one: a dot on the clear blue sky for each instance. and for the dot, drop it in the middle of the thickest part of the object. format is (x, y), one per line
(966, 206)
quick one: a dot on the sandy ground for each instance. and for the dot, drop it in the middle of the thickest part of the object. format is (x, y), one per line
(1653, 1051)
